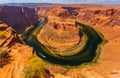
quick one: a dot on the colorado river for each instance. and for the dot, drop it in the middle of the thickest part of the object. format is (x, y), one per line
(88, 53)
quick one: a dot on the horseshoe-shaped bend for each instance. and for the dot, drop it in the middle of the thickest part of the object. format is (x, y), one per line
(87, 50)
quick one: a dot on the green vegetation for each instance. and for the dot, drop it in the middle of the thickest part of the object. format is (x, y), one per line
(4, 59)
(27, 31)
(29, 28)
(3, 53)
(34, 68)
(2, 35)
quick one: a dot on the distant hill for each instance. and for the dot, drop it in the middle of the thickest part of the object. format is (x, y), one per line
(36, 4)
(26, 4)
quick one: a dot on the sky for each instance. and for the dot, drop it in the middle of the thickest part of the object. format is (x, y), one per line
(63, 1)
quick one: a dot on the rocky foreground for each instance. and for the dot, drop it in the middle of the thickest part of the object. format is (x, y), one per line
(17, 52)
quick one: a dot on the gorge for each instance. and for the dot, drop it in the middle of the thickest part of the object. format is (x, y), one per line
(73, 57)
(59, 41)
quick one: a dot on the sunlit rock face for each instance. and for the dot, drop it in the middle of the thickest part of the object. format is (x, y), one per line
(104, 16)
(60, 32)
(15, 49)
(18, 17)
(8, 35)
(93, 15)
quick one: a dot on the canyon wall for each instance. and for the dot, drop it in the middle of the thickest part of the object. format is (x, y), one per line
(8, 35)
(21, 17)
(93, 15)
(13, 53)
(18, 17)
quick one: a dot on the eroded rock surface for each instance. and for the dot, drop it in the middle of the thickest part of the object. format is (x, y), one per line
(17, 53)
(18, 17)
(60, 33)
(94, 15)
(8, 35)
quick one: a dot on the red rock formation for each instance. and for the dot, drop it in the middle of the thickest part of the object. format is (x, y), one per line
(102, 17)
(8, 36)
(18, 17)
(60, 31)
(94, 15)
(17, 53)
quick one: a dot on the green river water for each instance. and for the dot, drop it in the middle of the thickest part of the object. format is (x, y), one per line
(89, 53)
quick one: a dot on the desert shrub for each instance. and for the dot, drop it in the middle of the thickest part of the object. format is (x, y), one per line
(4, 57)
(27, 31)
(34, 68)
(29, 28)
(3, 53)
(2, 34)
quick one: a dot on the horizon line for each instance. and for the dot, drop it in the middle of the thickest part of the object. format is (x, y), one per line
(58, 3)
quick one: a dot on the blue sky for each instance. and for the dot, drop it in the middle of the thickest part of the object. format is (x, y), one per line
(63, 1)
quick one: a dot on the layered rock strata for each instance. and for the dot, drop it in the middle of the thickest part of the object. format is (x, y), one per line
(60, 33)
(18, 53)
(18, 17)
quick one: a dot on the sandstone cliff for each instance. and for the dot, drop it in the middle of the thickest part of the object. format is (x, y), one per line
(8, 35)
(102, 17)
(18, 17)
(94, 15)
(17, 53)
